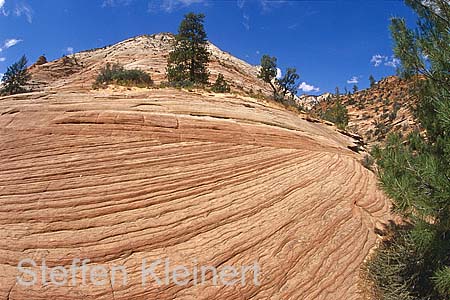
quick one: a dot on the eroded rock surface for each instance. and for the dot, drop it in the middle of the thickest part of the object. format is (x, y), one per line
(148, 53)
(116, 177)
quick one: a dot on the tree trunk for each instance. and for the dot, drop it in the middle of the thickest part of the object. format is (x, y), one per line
(274, 91)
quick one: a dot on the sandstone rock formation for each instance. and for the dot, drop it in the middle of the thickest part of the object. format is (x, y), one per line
(307, 102)
(125, 174)
(148, 53)
(377, 111)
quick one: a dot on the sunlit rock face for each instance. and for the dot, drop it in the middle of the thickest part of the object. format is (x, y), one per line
(123, 175)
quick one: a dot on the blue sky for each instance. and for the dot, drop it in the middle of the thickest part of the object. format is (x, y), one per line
(331, 43)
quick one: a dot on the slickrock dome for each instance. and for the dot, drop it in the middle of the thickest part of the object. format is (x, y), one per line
(121, 175)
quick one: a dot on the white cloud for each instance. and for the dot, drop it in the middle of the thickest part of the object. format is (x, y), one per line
(11, 42)
(246, 22)
(189, 2)
(20, 9)
(267, 5)
(378, 59)
(171, 5)
(279, 73)
(114, 3)
(354, 79)
(69, 50)
(2, 8)
(393, 62)
(8, 44)
(308, 88)
(24, 9)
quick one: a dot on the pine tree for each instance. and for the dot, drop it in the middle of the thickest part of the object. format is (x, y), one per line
(372, 81)
(288, 83)
(337, 93)
(187, 63)
(268, 71)
(416, 173)
(220, 86)
(284, 88)
(355, 88)
(16, 77)
(337, 113)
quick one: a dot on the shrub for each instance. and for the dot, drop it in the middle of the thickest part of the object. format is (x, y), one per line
(441, 280)
(70, 60)
(396, 105)
(389, 267)
(367, 161)
(380, 128)
(220, 86)
(337, 114)
(392, 115)
(116, 74)
(41, 60)
(372, 81)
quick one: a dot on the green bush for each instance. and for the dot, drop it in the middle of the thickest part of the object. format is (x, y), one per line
(367, 161)
(441, 280)
(337, 114)
(70, 60)
(394, 267)
(116, 74)
(392, 115)
(220, 86)
(41, 60)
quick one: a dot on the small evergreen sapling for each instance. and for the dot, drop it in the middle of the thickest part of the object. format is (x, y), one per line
(16, 78)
